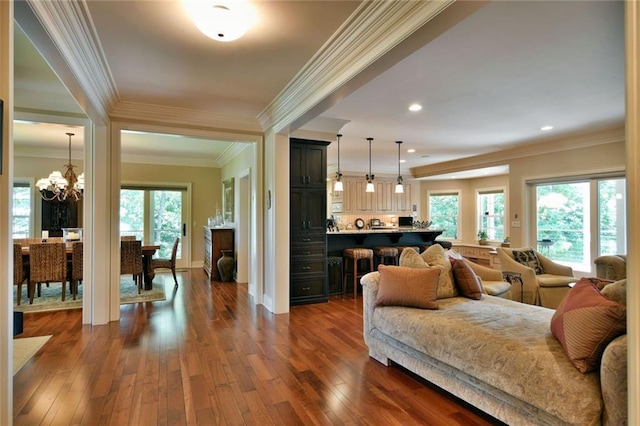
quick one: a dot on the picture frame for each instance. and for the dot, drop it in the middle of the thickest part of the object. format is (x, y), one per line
(227, 200)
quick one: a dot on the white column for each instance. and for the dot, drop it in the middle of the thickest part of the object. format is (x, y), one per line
(632, 46)
(6, 182)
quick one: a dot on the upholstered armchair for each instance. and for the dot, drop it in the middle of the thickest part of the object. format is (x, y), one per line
(492, 282)
(611, 267)
(547, 287)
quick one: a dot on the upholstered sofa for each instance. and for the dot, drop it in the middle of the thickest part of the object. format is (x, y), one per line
(499, 356)
(492, 282)
(545, 287)
(611, 267)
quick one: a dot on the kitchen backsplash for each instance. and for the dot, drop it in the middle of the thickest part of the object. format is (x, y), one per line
(343, 220)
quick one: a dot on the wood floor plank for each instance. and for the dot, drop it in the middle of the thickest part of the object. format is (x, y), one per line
(207, 356)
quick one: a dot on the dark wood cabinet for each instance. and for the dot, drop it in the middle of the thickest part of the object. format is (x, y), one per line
(215, 240)
(57, 215)
(308, 221)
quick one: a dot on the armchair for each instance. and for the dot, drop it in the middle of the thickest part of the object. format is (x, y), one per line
(546, 289)
(492, 282)
(611, 267)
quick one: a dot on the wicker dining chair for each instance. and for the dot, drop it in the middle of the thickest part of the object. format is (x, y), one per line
(47, 264)
(20, 274)
(131, 260)
(168, 263)
(75, 271)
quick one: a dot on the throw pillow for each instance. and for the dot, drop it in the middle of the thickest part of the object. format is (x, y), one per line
(452, 254)
(434, 256)
(528, 258)
(466, 279)
(616, 291)
(585, 322)
(413, 287)
(411, 259)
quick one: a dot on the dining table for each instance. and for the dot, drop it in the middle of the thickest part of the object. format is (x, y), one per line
(148, 250)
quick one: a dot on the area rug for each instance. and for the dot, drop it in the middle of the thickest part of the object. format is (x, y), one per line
(24, 349)
(51, 297)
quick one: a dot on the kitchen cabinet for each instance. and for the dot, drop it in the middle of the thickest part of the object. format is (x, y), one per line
(384, 196)
(355, 199)
(308, 221)
(402, 202)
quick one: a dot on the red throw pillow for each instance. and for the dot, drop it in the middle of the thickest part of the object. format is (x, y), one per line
(466, 279)
(414, 287)
(585, 322)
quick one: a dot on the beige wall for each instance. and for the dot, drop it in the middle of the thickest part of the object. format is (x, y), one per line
(206, 187)
(598, 158)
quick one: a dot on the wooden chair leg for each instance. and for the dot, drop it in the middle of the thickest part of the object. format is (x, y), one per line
(173, 270)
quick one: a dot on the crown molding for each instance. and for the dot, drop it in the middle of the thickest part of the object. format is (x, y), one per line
(132, 111)
(538, 147)
(71, 30)
(231, 152)
(371, 31)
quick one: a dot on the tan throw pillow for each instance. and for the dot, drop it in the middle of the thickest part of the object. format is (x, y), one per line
(434, 256)
(466, 279)
(528, 258)
(413, 287)
(411, 259)
(616, 291)
(585, 322)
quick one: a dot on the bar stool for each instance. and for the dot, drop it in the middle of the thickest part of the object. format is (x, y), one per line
(355, 254)
(385, 254)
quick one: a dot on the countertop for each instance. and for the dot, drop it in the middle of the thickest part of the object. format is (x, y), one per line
(382, 231)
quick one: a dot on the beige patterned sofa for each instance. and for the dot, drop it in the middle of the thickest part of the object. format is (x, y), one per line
(499, 356)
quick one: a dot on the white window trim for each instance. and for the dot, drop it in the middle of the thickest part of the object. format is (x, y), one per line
(457, 192)
(493, 189)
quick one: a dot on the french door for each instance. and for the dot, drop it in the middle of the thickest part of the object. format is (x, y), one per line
(156, 216)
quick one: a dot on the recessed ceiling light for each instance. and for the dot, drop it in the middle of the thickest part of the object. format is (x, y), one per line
(545, 128)
(415, 107)
(403, 161)
(411, 150)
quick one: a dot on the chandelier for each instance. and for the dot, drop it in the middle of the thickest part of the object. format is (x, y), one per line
(62, 188)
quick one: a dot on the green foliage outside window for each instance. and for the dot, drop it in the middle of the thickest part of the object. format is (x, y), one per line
(443, 213)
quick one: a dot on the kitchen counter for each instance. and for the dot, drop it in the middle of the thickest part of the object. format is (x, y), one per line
(370, 238)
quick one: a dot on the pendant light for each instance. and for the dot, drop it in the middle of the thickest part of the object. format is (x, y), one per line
(337, 187)
(399, 186)
(370, 186)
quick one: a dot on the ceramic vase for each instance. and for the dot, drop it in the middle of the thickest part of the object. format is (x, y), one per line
(226, 264)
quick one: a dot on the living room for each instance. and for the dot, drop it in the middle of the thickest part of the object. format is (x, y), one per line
(520, 171)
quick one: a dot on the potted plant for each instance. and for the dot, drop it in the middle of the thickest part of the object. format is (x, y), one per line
(483, 238)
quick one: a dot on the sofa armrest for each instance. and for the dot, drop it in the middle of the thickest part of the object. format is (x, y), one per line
(611, 267)
(553, 268)
(370, 283)
(528, 276)
(484, 272)
(613, 382)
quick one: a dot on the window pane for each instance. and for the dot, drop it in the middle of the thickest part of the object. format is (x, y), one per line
(21, 214)
(563, 221)
(443, 213)
(167, 218)
(491, 210)
(612, 217)
(132, 212)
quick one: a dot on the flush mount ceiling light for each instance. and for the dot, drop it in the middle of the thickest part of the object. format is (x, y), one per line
(222, 20)
(338, 185)
(370, 177)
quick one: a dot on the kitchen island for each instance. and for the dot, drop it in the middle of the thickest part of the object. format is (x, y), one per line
(370, 238)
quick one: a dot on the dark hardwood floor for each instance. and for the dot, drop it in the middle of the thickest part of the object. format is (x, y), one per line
(207, 356)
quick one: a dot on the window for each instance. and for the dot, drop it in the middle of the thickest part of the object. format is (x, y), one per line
(578, 221)
(22, 211)
(444, 210)
(491, 213)
(153, 215)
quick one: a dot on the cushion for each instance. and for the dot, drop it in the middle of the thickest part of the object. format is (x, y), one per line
(616, 291)
(434, 256)
(528, 258)
(585, 322)
(452, 254)
(466, 279)
(411, 259)
(413, 287)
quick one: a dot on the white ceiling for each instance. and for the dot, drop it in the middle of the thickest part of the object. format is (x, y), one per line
(490, 82)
